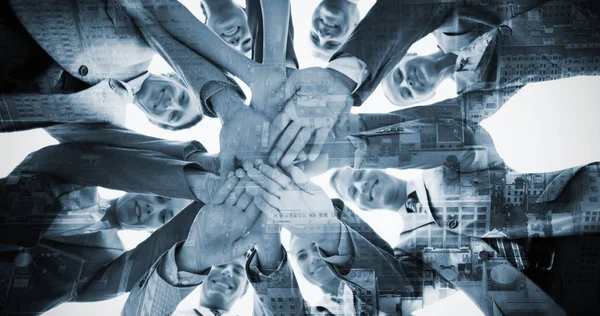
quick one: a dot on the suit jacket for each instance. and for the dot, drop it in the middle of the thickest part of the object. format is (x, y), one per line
(408, 22)
(88, 263)
(93, 41)
(444, 233)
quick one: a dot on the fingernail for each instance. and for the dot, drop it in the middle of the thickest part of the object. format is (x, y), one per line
(247, 165)
(230, 174)
(258, 162)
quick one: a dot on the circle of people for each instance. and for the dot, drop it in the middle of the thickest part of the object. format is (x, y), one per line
(470, 223)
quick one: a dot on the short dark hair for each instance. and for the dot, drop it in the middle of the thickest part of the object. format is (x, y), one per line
(190, 124)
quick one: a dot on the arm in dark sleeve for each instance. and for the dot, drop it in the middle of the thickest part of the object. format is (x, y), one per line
(280, 285)
(255, 21)
(382, 38)
(123, 273)
(119, 136)
(130, 170)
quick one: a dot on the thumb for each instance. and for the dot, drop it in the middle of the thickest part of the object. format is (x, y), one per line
(291, 85)
(298, 176)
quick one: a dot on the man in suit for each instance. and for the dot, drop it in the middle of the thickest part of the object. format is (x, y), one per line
(358, 67)
(88, 70)
(521, 228)
(551, 41)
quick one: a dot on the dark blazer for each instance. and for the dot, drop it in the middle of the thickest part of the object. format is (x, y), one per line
(399, 25)
(87, 265)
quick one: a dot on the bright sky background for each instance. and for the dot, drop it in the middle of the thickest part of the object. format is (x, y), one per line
(547, 126)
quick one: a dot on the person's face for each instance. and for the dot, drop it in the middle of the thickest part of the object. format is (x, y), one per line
(332, 23)
(231, 25)
(368, 188)
(313, 267)
(146, 212)
(413, 80)
(167, 102)
(223, 285)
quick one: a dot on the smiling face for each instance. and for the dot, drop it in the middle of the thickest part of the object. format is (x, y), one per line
(167, 102)
(332, 23)
(413, 80)
(369, 188)
(224, 285)
(314, 269)
(231, 24)
(146, 212)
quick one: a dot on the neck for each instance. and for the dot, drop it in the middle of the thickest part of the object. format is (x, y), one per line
(445, 64)
(332, 287)
(110, 215)
(216, 6)
(401, 195)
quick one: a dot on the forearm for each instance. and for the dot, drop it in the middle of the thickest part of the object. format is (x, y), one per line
(124, 169)
(225, 102)
(119, 136)
(27, 111)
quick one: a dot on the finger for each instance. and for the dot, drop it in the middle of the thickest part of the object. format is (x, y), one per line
(288, 136)
(240, 173)
(244, 200)
(278, 125)
(263, 181)
(272, 199)
(298, 176)
(276, 175)
(235, 194)
(227, 164)
(266, 208)
(299, 143)
(302, 156)
(291, 85)
(224, 190)
(320, 139)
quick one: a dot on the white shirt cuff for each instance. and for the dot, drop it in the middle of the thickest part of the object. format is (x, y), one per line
(352, 67)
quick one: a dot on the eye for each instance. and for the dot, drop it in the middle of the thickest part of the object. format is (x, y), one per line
(173, 117)
(302, 256)
(163, 217)
(352, 192)
(314, 38)
(238, 271)
(406, 93)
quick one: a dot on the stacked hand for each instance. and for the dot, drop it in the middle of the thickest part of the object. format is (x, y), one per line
(222, 232)
(298, 205)
(316, 99)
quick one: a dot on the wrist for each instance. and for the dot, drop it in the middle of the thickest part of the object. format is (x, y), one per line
(187, 260)
(329, 240)
(225, 103)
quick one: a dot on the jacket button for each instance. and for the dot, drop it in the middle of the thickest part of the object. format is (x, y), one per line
(83, 70)
(142, 282)
(452, 224)
(505, 30)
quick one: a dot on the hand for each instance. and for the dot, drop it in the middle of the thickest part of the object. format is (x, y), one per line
(247, 136)
(221, 232)
(300, 206)
(317, 97)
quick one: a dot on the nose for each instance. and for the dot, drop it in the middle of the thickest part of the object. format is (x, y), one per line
(324, 33)
(228, 271)
(234, 41)
(361, 186)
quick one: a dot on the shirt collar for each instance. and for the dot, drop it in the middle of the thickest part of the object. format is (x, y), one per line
(135, 84)
(472, 61)
(208, 312)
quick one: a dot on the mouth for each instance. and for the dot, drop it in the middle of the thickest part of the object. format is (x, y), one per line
(372, 187)
(158, 100)
(138, 212)
(317, 270)
(222, 285)
(231, 32)
(419, 79)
